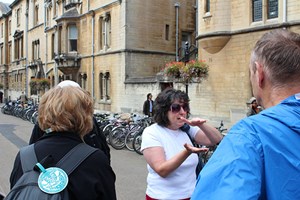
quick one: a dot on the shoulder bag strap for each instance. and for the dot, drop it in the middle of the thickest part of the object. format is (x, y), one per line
(28, 158)
(75, 157)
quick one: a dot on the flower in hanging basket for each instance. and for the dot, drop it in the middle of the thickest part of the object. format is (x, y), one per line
(186, 73)
(44, 83)
(198, 69)
(39, 84)
(173, 69)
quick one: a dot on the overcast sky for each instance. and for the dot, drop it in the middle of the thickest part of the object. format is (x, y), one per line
(7, 1)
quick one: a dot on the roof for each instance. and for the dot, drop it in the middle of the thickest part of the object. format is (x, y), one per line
(4, 8)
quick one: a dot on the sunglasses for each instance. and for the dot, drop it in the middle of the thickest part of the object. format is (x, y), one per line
(175, 108)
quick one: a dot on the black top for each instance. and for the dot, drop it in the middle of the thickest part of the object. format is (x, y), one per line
(93, 179)
(95, 138)
(146, 107)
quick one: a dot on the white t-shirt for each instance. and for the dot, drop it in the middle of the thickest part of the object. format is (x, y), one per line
(181, 182)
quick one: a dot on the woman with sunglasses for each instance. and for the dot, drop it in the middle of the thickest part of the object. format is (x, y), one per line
(169, 153)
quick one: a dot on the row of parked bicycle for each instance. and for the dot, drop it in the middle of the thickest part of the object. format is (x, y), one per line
(122, 130)
(28, 111)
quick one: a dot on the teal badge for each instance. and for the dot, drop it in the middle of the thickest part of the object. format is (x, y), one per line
(52, 180)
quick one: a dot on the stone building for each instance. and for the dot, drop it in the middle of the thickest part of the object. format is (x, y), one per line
(116, 48)
(227, 32)
(112, 48)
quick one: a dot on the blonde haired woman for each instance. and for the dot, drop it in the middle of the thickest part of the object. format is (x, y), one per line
(65, 114)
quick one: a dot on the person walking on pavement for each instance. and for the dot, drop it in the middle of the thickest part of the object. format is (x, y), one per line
(1, 97)
(259, 157)
(148, 106)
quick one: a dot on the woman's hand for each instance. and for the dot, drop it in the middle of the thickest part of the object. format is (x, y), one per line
(194, 121)
(207, 135)
(193, 149)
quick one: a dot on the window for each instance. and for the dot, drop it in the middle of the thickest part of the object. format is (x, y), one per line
(108, 31)
(36, 15)
(73, 38)
(48, 18)
(256, 10)
(59, 40)
(1, 54)
(9, 53)
(18, 16)
(9, 27)
(105, 32)
(185, 37)
(52, 45)
(167, 32)
(272, 9)
(83, 80)
(102, 34)
(19, 47)
(104, 86)
(35, 50)
(55, 9)
(264, 9)
(2, 26)
(207, 6)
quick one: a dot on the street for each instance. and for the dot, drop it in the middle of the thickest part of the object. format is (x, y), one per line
(129, 167)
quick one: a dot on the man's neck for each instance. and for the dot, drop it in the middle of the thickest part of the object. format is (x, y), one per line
(277, 95)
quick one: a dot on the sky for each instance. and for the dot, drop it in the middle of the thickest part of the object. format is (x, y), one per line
(7, 1)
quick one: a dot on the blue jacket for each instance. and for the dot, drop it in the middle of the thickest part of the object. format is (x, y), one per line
(258, 159)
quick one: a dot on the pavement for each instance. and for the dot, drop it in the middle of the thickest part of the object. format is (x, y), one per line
(129, 167)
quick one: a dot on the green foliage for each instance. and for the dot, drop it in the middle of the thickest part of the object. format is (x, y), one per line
(39, 84)
(194, 70)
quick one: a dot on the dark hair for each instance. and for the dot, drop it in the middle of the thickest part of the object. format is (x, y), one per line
(279, 52)
(148, 95)
(163, 103)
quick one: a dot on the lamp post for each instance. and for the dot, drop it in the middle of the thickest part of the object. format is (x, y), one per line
(186, 59)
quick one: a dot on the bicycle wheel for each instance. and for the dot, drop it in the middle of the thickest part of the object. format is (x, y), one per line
(117, 138)
(137, 141)
(129, 140)
(106, 131)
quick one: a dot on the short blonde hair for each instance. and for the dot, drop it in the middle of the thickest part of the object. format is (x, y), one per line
(66, 109)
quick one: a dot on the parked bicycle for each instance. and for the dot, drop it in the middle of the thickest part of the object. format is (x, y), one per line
(207, 155)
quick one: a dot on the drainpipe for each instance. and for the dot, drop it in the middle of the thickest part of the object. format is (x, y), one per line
(284, 11)
(26, 52)
(177, 9)
(46, 35)
(196, 21)
(93, 51)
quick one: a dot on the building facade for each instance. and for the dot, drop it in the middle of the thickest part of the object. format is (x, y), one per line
(116, 48)
(227, 32)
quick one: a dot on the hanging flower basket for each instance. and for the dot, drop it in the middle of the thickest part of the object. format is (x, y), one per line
(173, 69)
(194, 70)
(39, 84)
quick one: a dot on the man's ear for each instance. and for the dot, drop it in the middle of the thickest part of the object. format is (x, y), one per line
(260, 74)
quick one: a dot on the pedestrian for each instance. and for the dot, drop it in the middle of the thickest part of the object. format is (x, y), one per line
(66, 115)
(168, 150)
(1, 97)
(23, 98)
(94, 138)
(253, 107)
(148, 106)
(259, 157)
